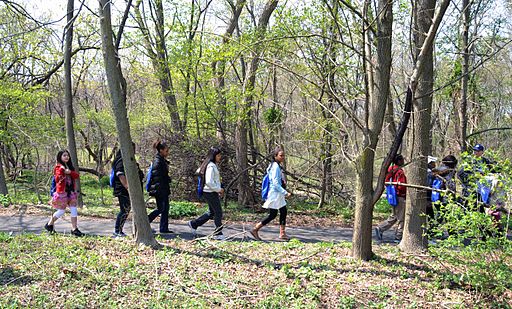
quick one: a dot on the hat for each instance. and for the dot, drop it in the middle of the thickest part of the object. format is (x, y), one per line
(431, 159)
(478, 147)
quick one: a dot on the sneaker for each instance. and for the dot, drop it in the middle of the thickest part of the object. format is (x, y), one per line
(192, 230)
(219, 237)
(49, 228)
(77, 233)
(378, 233)
(120, 234)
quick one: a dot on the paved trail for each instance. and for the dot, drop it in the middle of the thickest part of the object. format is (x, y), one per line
(25, 223)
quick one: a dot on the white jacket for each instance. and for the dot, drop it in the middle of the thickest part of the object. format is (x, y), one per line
(212, 178)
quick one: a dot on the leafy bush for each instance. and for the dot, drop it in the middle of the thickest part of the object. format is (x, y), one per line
(182, 209)
(5, 200)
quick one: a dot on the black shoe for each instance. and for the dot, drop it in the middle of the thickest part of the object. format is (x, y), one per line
(49, 228)
(77, 233)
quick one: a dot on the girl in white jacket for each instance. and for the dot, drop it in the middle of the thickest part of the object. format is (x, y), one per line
(276, 196)
(212, 192)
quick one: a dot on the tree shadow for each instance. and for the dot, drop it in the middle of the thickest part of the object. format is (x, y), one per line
(9, 276)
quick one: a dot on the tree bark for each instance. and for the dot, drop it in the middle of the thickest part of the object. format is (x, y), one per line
(219, 67)
(3, 183)
(365, 196)
(160, 61)
(463, 117)
(414, 239)
(245, 196)
(117, 88)
(68, 93)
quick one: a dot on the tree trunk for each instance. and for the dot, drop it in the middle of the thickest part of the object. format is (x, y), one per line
(3, 183)
(69, 115)
(362, 238)
(414, 239)
(117, 87)
(365, 196)
(245, 196)
(160, 61)
(463, 118)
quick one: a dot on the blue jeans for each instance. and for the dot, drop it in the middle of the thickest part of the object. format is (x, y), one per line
(162, 208)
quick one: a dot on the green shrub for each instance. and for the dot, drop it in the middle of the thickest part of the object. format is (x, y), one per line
(5, 200)
(182, 209)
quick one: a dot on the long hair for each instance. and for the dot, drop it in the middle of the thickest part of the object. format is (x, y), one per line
(210, 157)
(70, 162)
(275, 152)
(160, 145)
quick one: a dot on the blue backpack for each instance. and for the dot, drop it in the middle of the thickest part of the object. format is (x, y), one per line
(53, 186)
(148, 177)
(391, 193)
(200, 186)
(485, 192)
(436, 195)
(112, 178)
(265, 187)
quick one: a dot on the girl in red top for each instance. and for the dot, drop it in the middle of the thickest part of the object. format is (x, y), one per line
(65, 192)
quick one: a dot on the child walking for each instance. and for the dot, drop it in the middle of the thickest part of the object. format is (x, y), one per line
(212, 191)
(121, 192)
(276, 196)
(65, 192)
(160, 186)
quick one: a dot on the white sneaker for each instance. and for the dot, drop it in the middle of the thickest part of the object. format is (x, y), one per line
(192, 230)
(219, 237)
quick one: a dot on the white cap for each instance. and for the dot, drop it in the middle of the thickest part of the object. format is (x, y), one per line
(431, 159)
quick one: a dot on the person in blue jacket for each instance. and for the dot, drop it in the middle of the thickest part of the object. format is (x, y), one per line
(276, 196)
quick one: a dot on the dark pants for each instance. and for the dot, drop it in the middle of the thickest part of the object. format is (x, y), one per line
(162, 208)
(283, 211)
(124, 210)
(214, 211)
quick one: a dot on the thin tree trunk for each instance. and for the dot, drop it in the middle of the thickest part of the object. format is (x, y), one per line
(3, 183)
(69, 115)
(414, 239)
(245, 196)
(365, 195)
(463, 118)
(160, 61)
(117, 87)
(219, 71)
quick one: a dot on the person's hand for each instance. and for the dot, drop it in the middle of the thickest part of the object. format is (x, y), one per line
(288, 195)
(221, 192)
(67, 171)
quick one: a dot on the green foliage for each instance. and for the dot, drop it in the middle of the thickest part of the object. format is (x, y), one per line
(5, 200)
(182, 209)
(273, 116)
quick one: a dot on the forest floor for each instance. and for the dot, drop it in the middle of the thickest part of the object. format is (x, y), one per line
(37, 269)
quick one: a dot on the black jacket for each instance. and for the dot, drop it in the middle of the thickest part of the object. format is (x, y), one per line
(118, 166)
(160, 180)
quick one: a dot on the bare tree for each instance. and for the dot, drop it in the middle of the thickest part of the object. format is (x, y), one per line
(117, 87)
(68, 92)
(245, 196)
(414, 239)
(156, 49)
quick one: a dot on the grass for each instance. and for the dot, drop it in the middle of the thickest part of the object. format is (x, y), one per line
(38, 270)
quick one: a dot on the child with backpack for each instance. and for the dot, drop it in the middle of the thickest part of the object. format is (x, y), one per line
(66, 193)
(120, 190)
(159, 186)
(395, 174)
(275, 201)
(211, 192)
